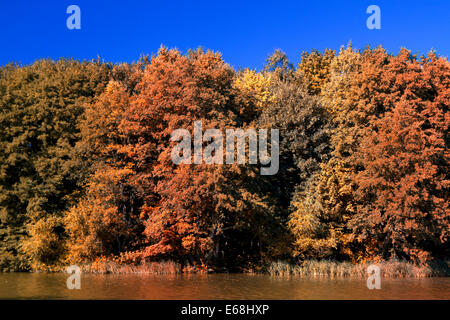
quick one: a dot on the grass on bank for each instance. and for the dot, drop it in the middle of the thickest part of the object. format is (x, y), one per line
(389, 269)
(164, 267)
(307, 268)
(160, 267)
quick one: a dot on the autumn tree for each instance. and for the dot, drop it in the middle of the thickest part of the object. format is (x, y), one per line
(253, 92)
(305, 130)
(361, 90)
(106, 220)
(39, 108)
(86, 168)
(404, 187)
(188, 207)
(314, 69)
(279, 66)
(351, 97)
(305, 133)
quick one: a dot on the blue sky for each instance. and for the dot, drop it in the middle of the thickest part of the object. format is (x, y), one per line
(246, 32)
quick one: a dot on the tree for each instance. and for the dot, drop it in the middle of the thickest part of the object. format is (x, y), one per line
(404, 187)
(106, 220)
(196, 212)
(305, 132)
(314, 69)
(318, 207)
(39, 109)
(353, 96)
(103, 222)
(279, 66)
(181, 214)
(254, 91)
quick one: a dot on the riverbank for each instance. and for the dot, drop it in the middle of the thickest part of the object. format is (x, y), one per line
(389, 269)
(307, 269)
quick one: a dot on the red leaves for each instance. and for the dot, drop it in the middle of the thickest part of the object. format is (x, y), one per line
(175, 91)
(405, 174)
(364, 151)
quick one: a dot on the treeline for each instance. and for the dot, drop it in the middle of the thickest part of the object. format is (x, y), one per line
(86, 172)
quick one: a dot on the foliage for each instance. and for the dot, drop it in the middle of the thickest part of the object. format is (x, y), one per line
(86, 174)
(403, 189)
(191, 211)
(39, 108)
(254, 90)
(314, 69)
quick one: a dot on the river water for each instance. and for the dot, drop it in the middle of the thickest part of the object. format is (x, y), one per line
(214, 286)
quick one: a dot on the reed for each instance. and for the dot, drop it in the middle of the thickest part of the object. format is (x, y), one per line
(389, 269)
(163, 267)
(103, 265)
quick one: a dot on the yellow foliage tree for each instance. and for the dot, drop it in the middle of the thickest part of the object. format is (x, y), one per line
(318, 220)
(106, 219)
(46, 246)
(254, 92)
(314, 69)
(96, 225)
(320, 215)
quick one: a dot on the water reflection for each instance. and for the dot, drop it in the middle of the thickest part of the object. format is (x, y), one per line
(214, 286)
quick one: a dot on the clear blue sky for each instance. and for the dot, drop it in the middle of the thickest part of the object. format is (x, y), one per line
(244, 31)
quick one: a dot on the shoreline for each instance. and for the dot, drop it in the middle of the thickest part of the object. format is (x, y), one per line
(305, 269)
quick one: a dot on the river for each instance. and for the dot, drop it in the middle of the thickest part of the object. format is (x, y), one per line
(214, 286)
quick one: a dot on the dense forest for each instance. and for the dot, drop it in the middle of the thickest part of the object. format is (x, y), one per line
(86, 173)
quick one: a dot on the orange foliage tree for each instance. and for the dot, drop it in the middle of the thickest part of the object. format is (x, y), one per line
(106, 220)
(403, 189)
(189, 208)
